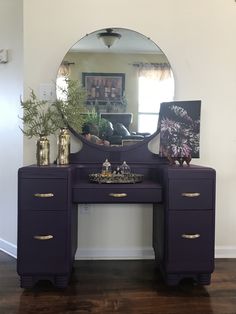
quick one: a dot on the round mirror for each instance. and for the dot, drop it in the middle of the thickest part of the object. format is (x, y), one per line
(126, 76)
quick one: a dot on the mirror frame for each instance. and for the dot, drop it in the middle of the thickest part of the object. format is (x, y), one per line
(109, 148)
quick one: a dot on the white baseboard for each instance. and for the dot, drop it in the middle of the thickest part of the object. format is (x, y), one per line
(140, 253)
(225, 252)
(9, 248)
(114, 253)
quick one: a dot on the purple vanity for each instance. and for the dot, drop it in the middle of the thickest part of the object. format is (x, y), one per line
(183, 199)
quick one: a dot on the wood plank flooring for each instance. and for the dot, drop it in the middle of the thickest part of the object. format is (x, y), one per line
(119, 287)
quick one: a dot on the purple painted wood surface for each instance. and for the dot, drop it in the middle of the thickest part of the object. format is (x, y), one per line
(163, 185)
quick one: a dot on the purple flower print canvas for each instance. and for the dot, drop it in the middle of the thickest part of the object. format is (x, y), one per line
(179, 125)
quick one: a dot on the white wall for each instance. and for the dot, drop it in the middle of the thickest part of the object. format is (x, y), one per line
(199, 40)
(198, 37)
(11, 140)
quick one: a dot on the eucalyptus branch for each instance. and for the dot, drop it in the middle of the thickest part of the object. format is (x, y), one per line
(37, 117)
(40, 118)
(71, 108)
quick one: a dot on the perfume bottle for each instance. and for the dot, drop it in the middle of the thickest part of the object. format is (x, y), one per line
(124, 168)
(106, 168)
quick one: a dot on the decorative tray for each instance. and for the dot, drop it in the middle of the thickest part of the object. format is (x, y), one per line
(116, 178)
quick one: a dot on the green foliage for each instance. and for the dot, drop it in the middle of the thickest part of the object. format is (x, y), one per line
(42, 118)
(95, 119)
(92, 117)
(70, 110)
(38, 117)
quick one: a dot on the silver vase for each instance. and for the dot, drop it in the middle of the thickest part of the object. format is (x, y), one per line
(63, 147)
(43, 151)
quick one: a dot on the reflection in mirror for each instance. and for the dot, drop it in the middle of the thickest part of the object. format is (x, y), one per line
(125, 80)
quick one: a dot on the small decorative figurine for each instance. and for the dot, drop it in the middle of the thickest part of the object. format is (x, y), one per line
(106, 168)
(180, 160)
(117, 171)
(124, 168)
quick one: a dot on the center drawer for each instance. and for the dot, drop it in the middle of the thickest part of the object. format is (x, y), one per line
(117, 193)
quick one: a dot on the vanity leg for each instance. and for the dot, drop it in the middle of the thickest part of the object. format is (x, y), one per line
(201, 279)
(26, 282)
(172, 279)
(61, 281)
(204, 279)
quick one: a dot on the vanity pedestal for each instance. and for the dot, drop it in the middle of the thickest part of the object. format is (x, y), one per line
(47, 225)
(184, 224)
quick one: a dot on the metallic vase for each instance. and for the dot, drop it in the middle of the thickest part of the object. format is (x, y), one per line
(63, 147)
(43, 151)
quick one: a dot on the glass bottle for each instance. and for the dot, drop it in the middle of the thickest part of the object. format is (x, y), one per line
(106, 168)
(124, 168)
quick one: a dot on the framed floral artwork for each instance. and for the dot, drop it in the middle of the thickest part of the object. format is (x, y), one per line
(179, 125)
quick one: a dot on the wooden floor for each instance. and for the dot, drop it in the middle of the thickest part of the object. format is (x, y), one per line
(119, 287)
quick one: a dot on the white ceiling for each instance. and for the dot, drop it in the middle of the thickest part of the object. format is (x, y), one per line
(130, 42)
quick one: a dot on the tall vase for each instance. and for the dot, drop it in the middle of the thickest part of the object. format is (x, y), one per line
(43, 151)
(63, 147)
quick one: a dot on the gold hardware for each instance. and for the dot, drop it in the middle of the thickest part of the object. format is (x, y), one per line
(43, 237)
(186, 194)
(118, 194)
(43, 194)
(190, 236)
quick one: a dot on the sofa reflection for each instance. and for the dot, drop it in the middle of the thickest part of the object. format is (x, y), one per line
(118, 129)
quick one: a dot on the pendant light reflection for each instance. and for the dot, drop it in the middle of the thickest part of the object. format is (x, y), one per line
(109, 37)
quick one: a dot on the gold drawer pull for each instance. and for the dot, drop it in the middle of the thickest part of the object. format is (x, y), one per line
(186, 194)
(118, 194)
(43, 237)
(43, 194)
(190, 236)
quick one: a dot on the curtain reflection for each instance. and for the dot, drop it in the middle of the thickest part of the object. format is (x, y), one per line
(64, 69)
(63, 75)
(158, 71)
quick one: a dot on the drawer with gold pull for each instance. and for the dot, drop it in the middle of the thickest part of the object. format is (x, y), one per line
(117, 193)
(191, 194)
(43, 194)
(42, 246)
(191, 240)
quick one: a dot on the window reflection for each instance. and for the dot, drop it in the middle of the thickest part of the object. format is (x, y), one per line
(61, 85)
(152, 91)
